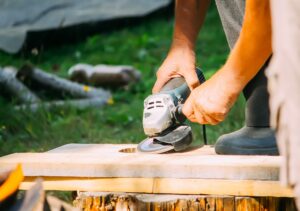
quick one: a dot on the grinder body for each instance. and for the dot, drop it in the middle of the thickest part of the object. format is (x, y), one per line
(163, 118)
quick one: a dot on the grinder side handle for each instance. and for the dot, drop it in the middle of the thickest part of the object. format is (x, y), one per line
(179, 88)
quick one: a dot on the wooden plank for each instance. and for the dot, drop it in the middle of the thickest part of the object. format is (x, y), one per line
(165, 186)
(96, 160)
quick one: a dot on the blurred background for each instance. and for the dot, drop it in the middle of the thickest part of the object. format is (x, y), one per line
(53, 36)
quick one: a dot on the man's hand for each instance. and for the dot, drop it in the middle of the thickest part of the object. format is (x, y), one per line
(179, 62)
(189, 17)
(210, 102)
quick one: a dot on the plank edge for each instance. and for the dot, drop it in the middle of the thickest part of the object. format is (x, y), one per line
(164, 186)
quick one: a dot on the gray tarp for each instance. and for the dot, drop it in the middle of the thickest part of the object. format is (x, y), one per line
(18, 17)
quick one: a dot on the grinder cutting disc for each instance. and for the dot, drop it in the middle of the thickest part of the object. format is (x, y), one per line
(177, 139)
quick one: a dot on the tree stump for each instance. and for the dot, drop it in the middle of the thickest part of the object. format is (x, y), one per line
(89, 201)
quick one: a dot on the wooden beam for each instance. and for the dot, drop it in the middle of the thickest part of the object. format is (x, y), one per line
(164, 186)
(96, 160)
(118, 168)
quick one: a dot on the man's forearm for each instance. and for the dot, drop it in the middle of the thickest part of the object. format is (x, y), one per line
(253, 47)
(189, 17)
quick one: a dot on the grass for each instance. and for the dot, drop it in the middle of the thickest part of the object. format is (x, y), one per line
(143, 46)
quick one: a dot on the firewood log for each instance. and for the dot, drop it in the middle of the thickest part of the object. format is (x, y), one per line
(104, 75)
(16, 89)
(29, 74)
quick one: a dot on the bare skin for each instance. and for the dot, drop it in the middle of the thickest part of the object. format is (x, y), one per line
(211, 102)
(189, 17)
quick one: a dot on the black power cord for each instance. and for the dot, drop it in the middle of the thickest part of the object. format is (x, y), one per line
(204, 134)
(202, 79)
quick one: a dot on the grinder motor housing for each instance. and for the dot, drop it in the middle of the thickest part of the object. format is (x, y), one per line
(163, 110)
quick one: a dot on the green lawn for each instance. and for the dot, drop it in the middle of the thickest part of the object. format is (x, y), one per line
(144, 46)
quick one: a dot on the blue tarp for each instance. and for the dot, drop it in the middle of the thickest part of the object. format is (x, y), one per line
(18, 17)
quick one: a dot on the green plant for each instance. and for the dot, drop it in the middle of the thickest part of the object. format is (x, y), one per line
(144, 46)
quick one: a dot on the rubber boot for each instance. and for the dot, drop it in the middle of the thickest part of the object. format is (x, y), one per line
(256, 137)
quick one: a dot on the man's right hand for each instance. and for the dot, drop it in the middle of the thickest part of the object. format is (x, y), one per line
(180, 62)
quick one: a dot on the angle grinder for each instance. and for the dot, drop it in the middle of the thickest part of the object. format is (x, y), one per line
(163, 120)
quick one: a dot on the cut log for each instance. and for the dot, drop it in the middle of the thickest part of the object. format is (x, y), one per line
(29, 75)
(79, 104)
(16, 89)
(104, 75)
(146, 202)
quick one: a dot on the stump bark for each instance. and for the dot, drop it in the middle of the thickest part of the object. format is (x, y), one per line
(159, 202)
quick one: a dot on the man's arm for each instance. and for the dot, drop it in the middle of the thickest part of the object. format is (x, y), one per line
(189, 17)
(253, 47)
(210, 102)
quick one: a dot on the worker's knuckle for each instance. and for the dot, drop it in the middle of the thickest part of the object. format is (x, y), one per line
(192, 120)
(221, 118)
(216, 110)
(222, 113)
(191, 117)
(214, 122)
(201, 121)
(200, 118)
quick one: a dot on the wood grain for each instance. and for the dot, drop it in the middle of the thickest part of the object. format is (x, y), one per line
(96, 160)
(97, 167)
(164, 186)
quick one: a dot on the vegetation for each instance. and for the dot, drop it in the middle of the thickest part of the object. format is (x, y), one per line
(143, 46)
